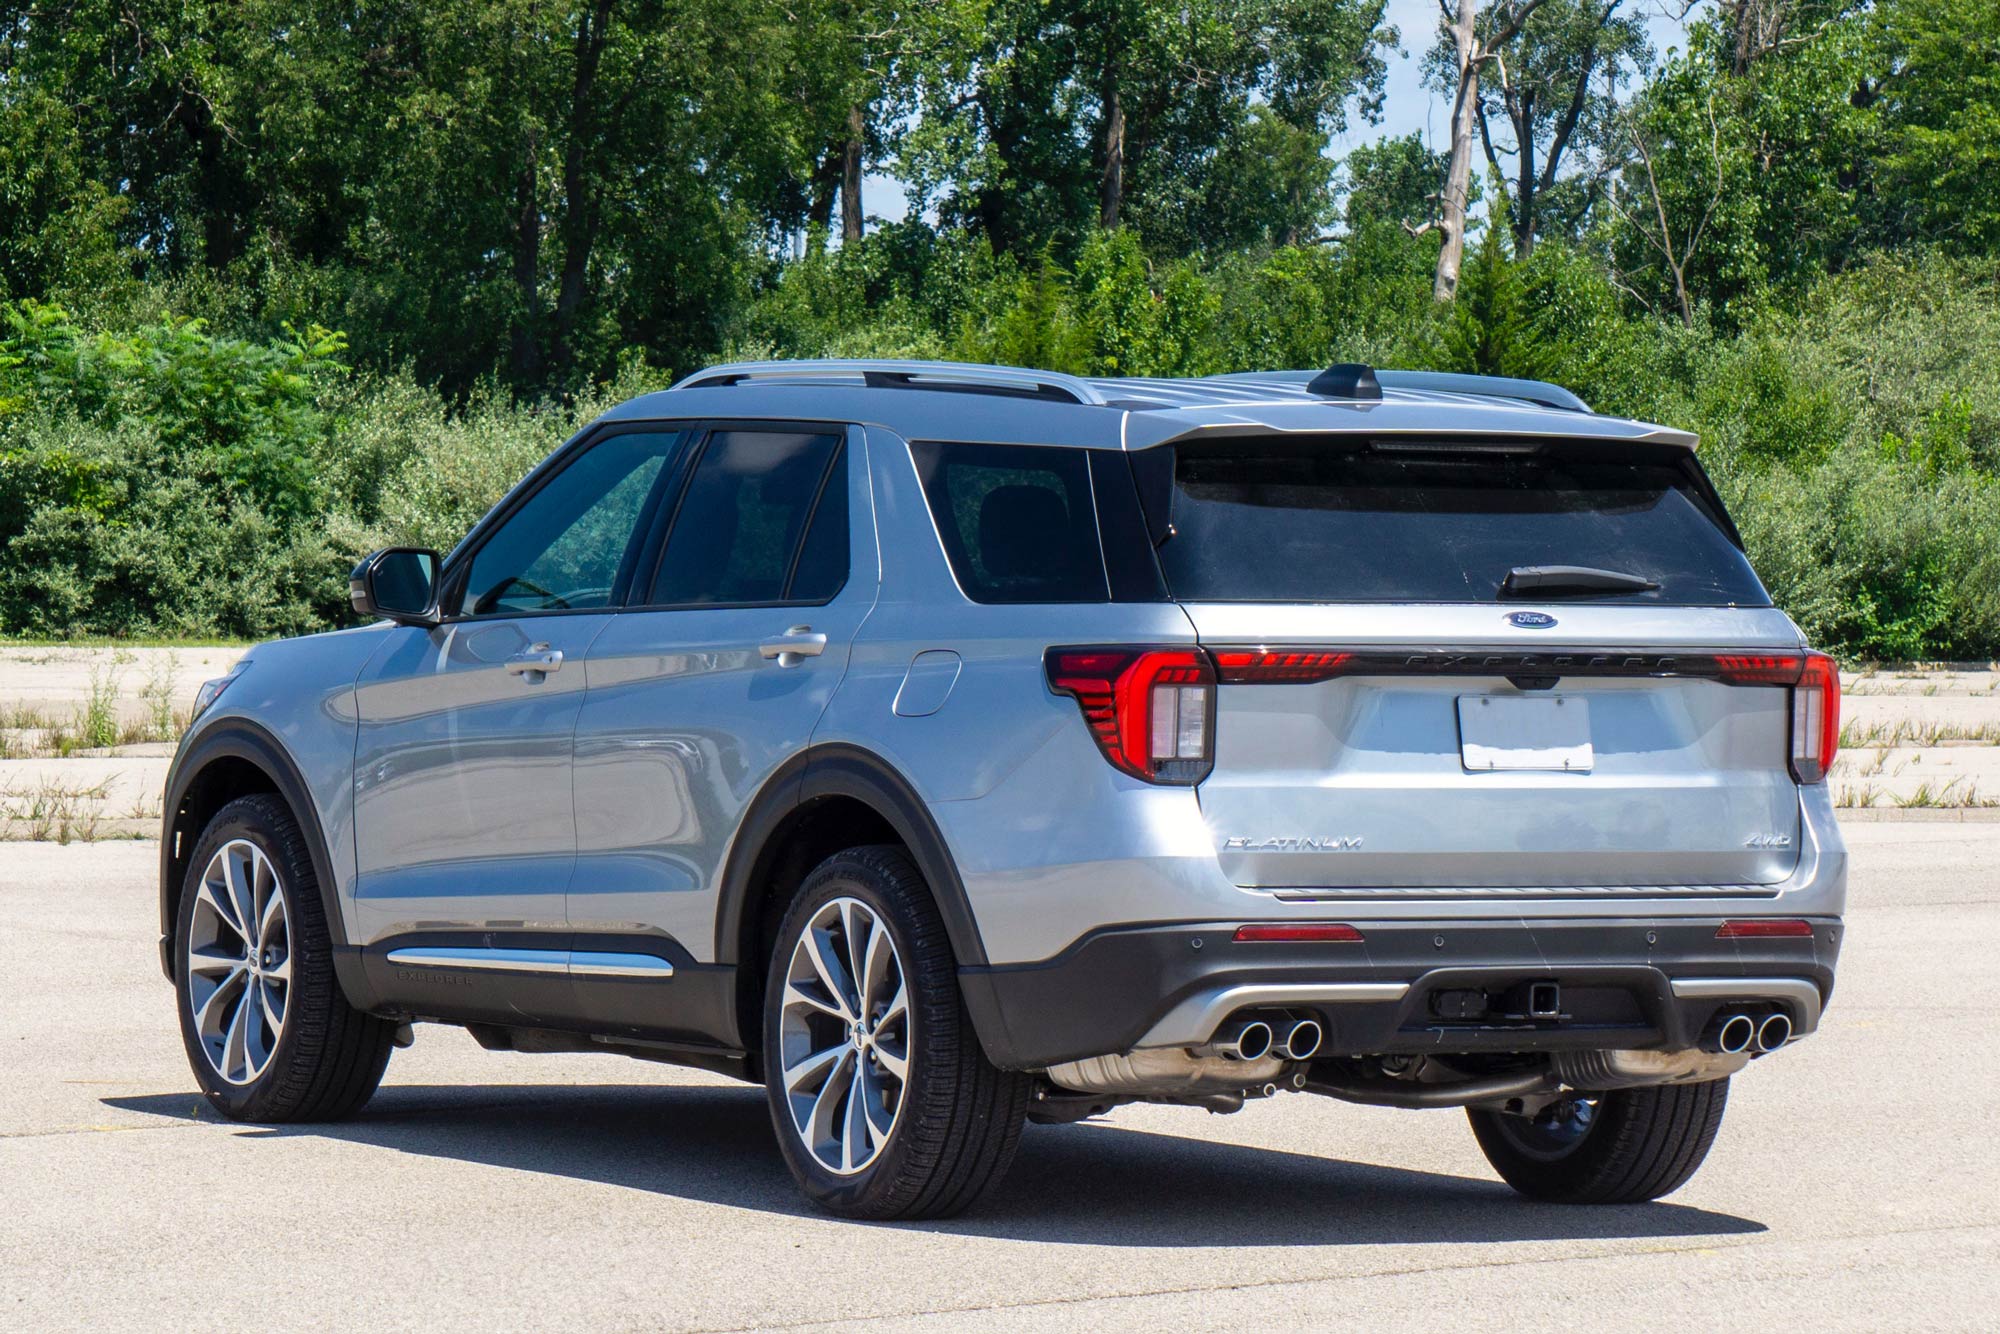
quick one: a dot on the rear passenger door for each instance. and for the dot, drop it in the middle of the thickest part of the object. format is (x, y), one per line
(717, 673)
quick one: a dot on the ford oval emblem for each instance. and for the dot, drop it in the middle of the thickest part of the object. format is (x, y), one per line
(1530, 620)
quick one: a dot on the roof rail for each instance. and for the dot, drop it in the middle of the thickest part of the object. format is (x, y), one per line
(1539, 392)
(947, 376)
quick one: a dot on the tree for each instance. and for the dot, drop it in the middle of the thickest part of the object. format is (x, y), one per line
(1077, 115)
(1557, 94)
(1938, 96)
(1474, 44)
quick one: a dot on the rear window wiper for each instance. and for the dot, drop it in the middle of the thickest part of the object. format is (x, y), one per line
(1546, 580)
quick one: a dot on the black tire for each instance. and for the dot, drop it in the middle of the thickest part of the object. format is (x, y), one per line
(961, 1117)
(1635, 1145)
(329, 1056)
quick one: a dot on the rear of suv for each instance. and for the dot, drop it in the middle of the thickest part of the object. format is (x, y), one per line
(950, 747)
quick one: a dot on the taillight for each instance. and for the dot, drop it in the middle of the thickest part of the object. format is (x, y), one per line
(1152, 710)
(1815, 718)
(1278, 666)
(1757, 669)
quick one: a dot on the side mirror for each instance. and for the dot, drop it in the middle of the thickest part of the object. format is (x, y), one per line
(397, 582)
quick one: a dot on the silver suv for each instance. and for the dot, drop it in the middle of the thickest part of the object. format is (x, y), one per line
(948, 747)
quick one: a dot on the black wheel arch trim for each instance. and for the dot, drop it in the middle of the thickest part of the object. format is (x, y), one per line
(242, 739)
(842, 770)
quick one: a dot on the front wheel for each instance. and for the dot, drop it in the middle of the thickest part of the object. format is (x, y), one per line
(269, 1035)
(884, 1103)
(1622, 1147)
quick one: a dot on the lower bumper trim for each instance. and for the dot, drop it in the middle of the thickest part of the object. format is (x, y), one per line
(1794, 991)
(1195, 1019)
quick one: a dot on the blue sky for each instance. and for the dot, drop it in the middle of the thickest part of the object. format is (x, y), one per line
(1407, 106)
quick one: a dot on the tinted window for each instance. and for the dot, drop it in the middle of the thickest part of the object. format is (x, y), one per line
(1017, 521)
(1320, 522)
(569, 544)
(739, 523)
(822, 563)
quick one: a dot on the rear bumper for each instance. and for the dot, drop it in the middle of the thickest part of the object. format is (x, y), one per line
(1626, 983)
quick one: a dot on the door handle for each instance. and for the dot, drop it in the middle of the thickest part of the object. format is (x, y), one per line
(794, 646)
(536, 663)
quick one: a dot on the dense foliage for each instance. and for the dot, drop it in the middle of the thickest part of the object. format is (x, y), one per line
(1784, 236)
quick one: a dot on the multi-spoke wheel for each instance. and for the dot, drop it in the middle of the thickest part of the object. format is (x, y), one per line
(844, 1036)
(1606, 1148)
(884, 1103)
(238, 955)
(268, 1033)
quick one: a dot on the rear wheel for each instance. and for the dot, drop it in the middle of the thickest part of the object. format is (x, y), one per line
(269, 1034)
(884, 1103)
(1606, 1148)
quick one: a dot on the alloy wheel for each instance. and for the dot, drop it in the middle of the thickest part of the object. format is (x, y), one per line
(845, 1036)
(238, 961)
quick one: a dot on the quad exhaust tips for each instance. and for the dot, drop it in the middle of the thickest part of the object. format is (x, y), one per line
(1774, 1033)
(1732, 1035)
(1241, 1040)
(1252, 1039)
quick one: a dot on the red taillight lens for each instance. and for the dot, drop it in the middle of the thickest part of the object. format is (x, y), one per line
(1336, 932)
(1815, 718)
(1763, 928)
(1758, 669)
(1152, 711)
(1273, 667)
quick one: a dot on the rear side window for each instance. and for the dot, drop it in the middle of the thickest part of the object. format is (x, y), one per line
(1018, 521)
(738, 534)
(1354, 522)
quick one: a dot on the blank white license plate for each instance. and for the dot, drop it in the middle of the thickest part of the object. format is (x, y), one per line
(1539, 732)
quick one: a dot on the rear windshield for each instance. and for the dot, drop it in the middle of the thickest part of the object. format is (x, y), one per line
(1311, 523)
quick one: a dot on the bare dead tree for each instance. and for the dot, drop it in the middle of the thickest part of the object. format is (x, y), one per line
(1471, 53)
(1676, 248)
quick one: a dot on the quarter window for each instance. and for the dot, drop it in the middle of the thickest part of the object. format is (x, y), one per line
(1018, 521)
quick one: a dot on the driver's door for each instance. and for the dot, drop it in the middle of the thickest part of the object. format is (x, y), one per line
(464, 823)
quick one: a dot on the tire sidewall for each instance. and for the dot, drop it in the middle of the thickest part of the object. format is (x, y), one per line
(856, 1194)
(246, 820)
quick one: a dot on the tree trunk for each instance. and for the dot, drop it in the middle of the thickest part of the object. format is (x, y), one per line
(526, 357)
(850, 176)
(1111, 189)
(580, 196)
(1525, 191)
(1458, 176)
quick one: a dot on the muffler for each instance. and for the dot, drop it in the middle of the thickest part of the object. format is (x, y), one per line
(1774, 1033)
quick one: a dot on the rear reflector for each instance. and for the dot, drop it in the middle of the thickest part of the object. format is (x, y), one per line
(1763, 928)
(1299, 931)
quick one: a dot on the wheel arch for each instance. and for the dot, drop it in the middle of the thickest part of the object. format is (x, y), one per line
(823, 800)
(238, 758)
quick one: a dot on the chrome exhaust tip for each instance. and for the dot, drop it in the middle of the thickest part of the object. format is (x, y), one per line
(1302, 1038)
(1774, 1033)
(1735, 1035)
(1243, 1040)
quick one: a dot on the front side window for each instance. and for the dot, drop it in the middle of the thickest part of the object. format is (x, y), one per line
(572, 543)
(1018, 521)
(763, 519)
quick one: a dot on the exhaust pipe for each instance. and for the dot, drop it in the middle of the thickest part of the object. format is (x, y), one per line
(1240, 1040)
(1299, 1040)
(1773, 1033)
(1733, 1036)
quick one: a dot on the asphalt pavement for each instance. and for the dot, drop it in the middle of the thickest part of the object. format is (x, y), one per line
(1855, 1185)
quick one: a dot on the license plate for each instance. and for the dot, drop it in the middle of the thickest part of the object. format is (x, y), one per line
(1498, 733)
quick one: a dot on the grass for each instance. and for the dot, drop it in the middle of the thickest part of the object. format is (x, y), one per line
(53, 811)
(1955, 794)
(1855, 735)
(105, 641)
